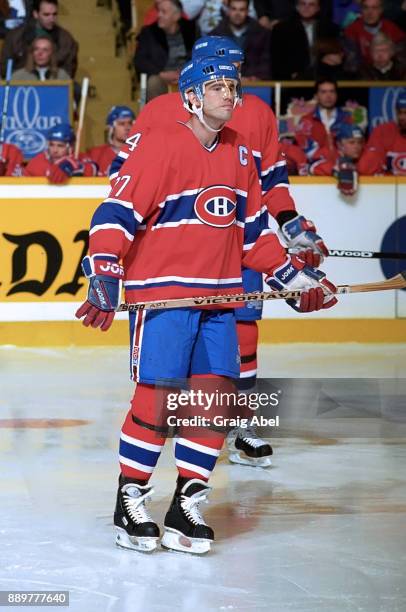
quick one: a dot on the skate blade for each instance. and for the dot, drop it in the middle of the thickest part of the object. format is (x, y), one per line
(123, 540)
(174, 540)
(262, 462)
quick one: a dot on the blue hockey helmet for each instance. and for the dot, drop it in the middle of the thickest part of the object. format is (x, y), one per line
(61, 132)
(218, 46)
(196, 73)
(349, 130)
(119, 112)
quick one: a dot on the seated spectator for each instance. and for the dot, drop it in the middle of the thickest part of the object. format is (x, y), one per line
(13, 13)
(119, 122)
(271, 12)
(344, 163)
(386, 147)
(164, 47)
(18, 41)
(294, 40)
(57, 163)
(384, 66)
(318, 129)
(213, 12)
(250, 36)
(11, 160)
(191, 9)
(41, 63)
(359, 34)
(345, 12)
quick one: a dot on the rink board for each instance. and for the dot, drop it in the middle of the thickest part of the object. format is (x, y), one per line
(44, 237)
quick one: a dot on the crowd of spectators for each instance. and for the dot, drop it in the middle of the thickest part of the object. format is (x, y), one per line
(320, 41)
(283, 40)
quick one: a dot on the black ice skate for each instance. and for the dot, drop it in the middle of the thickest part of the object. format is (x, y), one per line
(185, 529)
(135, 528)
(246, 448)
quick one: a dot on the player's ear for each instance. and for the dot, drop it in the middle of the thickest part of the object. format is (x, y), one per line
(193, 99)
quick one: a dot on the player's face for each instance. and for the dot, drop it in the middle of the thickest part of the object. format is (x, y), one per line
(57, 149)
(238, 12)
(308, 9)
(42, 52)
(47, 15)
(352, 147)
(401, 115)
(168, 15)
(327, 95)
(122, 128)
(218, 101)
(371, 11)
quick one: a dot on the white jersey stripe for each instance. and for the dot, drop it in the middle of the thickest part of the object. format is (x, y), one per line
(193, 468)
(156, 448)
(107, 226)
(137, 466)
(184, 279)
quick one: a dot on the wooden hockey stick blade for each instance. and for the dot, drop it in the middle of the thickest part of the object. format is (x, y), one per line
(396, 282)
(358, 254)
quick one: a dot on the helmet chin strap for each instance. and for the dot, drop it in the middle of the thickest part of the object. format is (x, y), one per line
(198, 111)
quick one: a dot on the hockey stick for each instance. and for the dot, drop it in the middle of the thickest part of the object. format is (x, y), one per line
(396, 282)
(9, 70)
(359, 254)
(82, 108)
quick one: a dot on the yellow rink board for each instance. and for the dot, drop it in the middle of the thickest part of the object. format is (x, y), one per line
(66, 333)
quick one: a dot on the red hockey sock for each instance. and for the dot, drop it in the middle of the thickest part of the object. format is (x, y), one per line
(143, 433)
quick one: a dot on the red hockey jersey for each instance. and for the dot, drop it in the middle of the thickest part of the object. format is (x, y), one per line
(185, 218)
(40, 165)
(103, 155)
(13, 158)
(254, 120)
(385, 152)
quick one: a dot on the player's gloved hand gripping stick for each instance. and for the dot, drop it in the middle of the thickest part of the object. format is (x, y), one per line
(105, 276)
(301, 235)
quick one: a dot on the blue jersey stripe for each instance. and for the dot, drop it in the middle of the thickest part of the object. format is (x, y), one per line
(109, 212)
(195, 457)
(274, 177)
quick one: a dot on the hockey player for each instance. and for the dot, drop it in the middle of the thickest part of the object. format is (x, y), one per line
(11, 160)
(119, 122)
(318, 129)
(256, 122)
(57, 163)
(386, 148)
(184, 214)
(343, 163)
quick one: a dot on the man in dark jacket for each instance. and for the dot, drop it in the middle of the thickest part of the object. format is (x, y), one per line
(163, 47)
(296, 41)
(18, 41)
(254, 39)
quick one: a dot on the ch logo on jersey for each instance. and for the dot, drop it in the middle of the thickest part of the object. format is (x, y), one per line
(216, 206)
(399, 164)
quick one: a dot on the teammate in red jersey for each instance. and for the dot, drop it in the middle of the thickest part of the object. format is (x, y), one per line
(345, 162)
(11, 160)
(256, 122)
(386, 147)
(184, 214)
(119, 122)
(57, 163)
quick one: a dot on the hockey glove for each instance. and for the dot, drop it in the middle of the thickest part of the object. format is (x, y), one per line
(57, 176)
(300, 234)
(103, 297)
(347, 176)
(317, 291)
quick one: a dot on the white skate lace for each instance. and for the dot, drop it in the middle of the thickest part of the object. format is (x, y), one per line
(135, 507)
(190, 506)
(249, 436)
